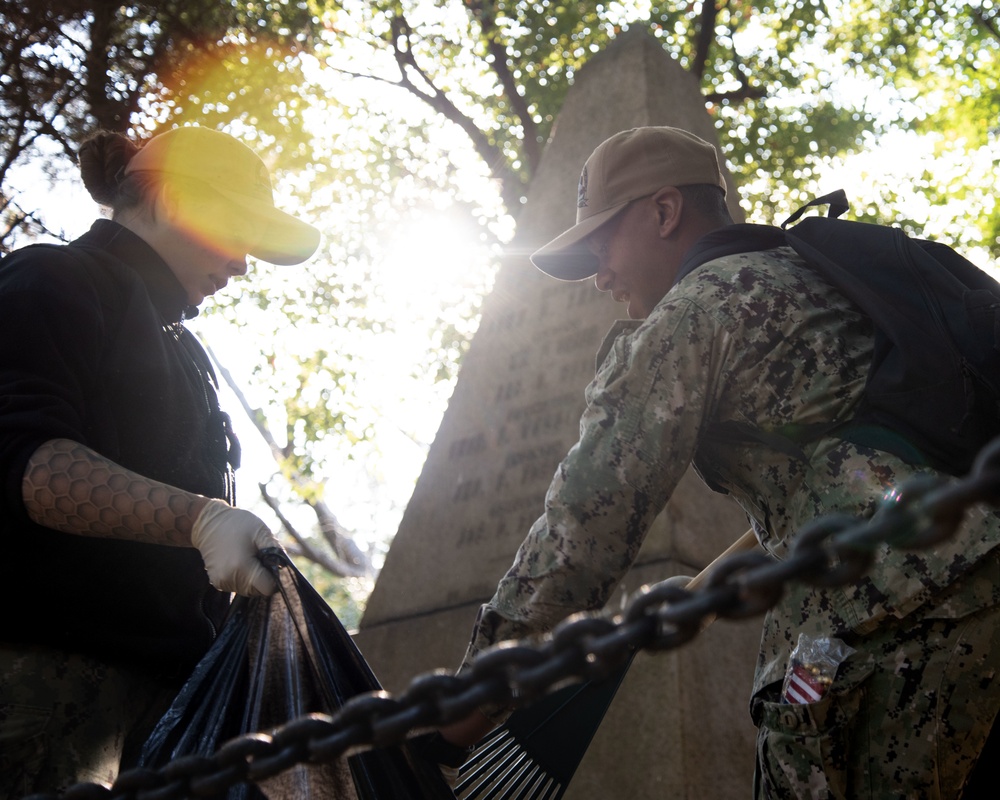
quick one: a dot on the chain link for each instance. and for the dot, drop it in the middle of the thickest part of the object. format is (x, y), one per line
(829, 551)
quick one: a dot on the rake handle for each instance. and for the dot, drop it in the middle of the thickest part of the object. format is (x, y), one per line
(746, 542)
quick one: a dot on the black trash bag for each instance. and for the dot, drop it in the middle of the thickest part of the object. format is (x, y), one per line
(277, 659)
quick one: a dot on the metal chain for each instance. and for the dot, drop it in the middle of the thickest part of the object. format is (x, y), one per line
(830, 551)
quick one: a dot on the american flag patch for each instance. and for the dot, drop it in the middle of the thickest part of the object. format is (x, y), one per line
(801, 686)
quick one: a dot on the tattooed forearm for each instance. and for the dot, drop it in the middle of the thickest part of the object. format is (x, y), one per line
(70, 488)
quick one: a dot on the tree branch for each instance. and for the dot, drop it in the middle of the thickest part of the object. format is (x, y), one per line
(350, 560)
(333, 565)
(987, 22)
(483, 13)
(745, 93)
(492, 155)
(704, 37)
(335, 535)
(253, 414)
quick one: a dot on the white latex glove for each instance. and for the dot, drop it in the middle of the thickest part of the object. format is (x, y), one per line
(228, 539)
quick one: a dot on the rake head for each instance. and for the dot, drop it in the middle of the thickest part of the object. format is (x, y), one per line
(534, 755)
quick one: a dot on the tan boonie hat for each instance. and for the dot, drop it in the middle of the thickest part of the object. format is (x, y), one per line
(629, 165)
(234, 171)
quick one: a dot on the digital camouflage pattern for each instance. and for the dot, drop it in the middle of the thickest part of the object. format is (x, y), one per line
(66, 719)
(756, 338)
(907, 714)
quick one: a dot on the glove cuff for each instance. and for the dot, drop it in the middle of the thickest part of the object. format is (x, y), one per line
(213, 508)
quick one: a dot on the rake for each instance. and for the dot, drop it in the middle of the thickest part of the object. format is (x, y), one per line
(534, 755)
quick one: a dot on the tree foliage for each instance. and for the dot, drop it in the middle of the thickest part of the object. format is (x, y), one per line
(773, 104)
(71, 67)
(941, 58)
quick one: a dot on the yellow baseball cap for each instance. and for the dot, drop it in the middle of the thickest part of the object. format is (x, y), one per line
(629, 165)
(235, 172)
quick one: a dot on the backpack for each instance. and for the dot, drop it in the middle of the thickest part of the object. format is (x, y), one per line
(932, 394)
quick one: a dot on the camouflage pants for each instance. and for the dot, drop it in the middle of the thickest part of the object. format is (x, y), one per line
(906, 717)
(66, 718)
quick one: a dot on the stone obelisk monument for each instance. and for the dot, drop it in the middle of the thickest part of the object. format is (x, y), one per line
(679, 726)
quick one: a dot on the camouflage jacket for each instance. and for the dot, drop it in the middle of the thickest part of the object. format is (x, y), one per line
(756, 338)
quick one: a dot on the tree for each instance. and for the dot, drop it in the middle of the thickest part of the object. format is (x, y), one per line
(524, 56)
(943, 58)
(772, 74)
(71, 67)
(379, 114)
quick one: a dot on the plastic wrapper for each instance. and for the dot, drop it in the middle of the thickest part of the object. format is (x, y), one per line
(277, 659)
(812, 668)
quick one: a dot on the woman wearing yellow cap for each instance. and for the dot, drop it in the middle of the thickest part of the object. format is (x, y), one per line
(121, 546)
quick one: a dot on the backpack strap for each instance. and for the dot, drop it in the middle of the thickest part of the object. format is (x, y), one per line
(750, 238)
(837, 200)
(745, 238)
(728, 241)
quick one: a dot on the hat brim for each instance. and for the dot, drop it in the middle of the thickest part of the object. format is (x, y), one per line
(284, 239)
(288, 241)
(567, 257)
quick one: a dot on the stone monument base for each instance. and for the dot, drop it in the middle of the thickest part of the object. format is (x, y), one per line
(679, 726)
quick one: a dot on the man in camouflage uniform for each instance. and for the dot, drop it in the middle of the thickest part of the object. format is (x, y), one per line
(760, 339)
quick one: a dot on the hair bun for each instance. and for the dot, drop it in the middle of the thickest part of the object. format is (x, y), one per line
(102, 158)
